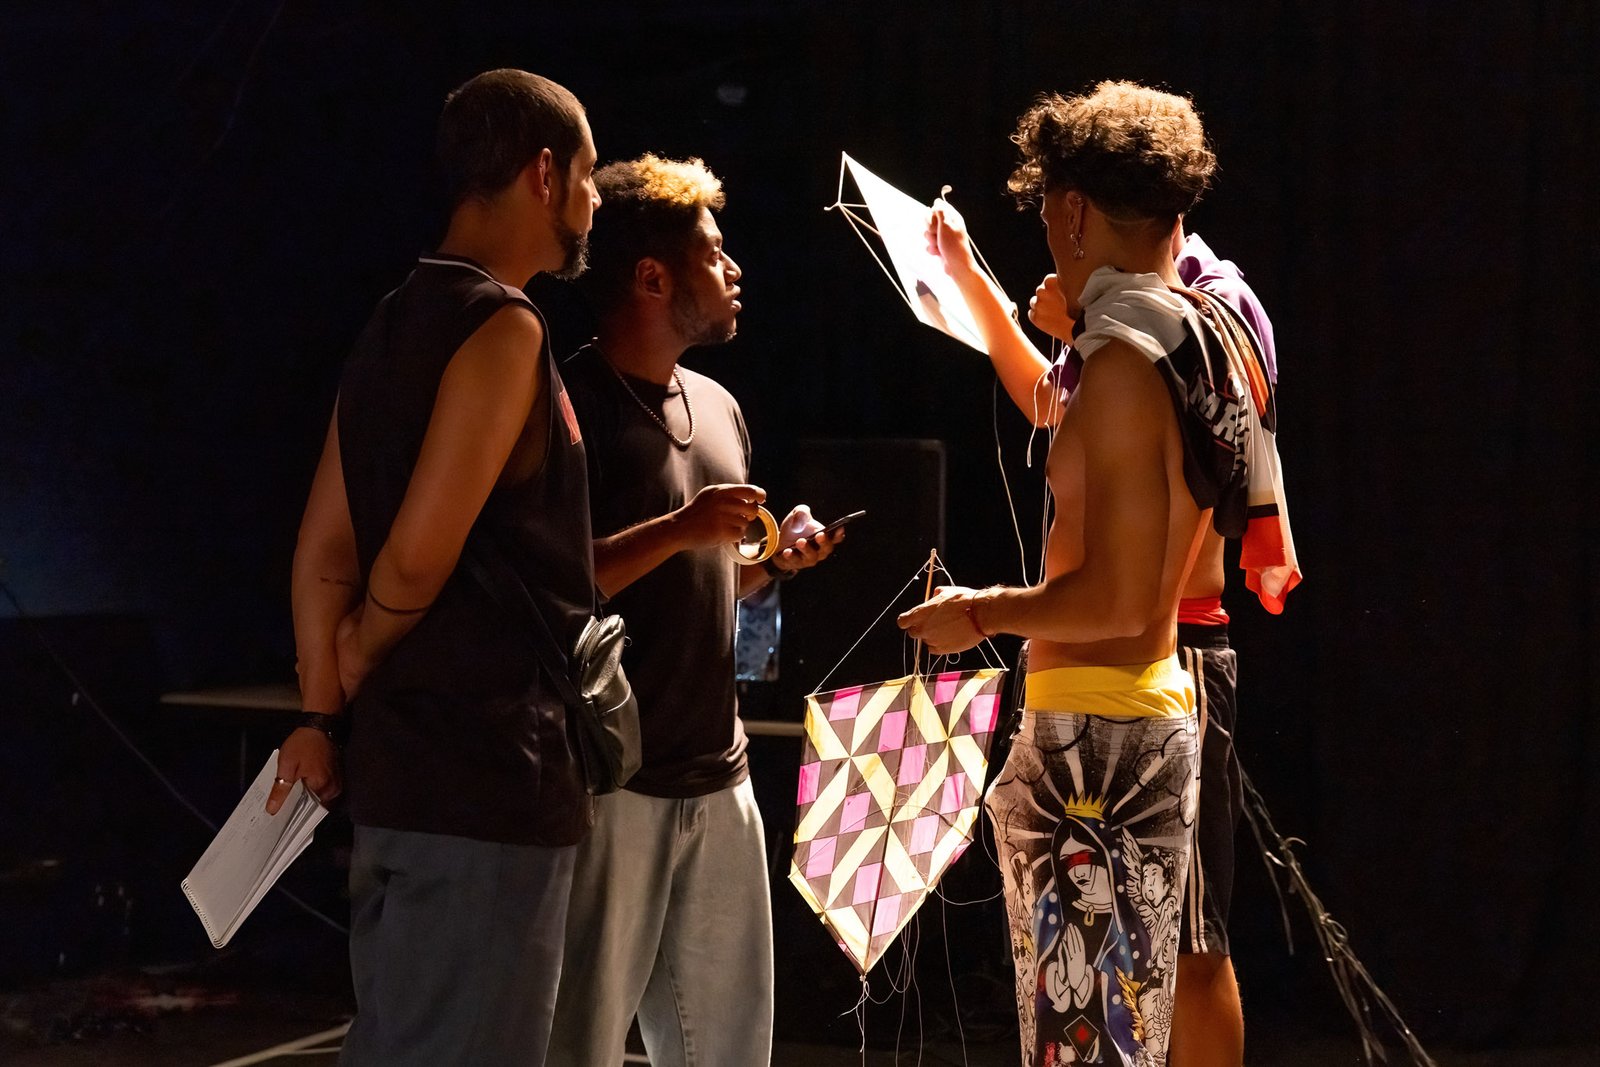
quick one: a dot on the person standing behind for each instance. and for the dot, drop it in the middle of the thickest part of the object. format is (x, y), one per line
(671, 916)
(1208, 1017)
(453, 438)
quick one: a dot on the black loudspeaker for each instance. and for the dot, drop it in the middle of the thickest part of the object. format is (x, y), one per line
(901, 486)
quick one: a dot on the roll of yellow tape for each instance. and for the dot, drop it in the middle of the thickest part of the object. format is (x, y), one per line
(749, 552)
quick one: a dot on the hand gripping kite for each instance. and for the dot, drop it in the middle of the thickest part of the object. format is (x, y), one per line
(891, 781)
(901, 223)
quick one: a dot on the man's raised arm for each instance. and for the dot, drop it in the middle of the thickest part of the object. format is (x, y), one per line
(1020, 366)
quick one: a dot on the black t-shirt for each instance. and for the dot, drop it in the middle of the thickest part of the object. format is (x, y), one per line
(680, 616)
(456, 731)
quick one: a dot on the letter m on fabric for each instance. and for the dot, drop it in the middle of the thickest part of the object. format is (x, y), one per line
(890, 784)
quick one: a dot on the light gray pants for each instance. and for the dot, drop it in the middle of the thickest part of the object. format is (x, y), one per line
(670, 919)
(455, 949)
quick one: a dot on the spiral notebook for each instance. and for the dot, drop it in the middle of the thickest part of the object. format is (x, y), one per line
(249, 854)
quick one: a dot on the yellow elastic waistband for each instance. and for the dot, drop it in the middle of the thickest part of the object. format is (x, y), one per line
(1159, 688)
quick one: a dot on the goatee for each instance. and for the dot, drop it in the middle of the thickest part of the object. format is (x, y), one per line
(575, 252)
(694, 327)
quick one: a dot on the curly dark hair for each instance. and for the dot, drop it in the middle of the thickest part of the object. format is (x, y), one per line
(649, 207)
(1137, 153)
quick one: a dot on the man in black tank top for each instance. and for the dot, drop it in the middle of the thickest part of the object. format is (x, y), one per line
(671, 914)
(453, 439)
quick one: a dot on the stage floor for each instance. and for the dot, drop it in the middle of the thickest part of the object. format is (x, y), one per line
(121, 1021)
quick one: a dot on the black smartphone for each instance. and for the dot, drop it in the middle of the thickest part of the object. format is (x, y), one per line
(836, 523)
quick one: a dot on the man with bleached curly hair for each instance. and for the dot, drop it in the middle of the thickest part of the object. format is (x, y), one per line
(1157, 439)
(670, 916)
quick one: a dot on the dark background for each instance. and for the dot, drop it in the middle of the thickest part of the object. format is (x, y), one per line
(202, 202)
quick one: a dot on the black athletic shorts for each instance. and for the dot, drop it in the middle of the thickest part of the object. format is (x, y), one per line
(1207, 657)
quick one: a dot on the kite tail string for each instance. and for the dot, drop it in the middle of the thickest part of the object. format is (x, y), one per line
(910, 939)
(859, 1010)
(1356, 987)
(950, 973)
(901, 982)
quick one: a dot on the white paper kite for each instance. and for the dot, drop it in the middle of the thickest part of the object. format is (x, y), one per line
(902, 224)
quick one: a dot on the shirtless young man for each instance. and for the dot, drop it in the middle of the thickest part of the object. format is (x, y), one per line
(1208, 1018)
(1101, 778)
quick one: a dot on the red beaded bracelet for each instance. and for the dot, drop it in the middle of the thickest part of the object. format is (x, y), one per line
(972, 617)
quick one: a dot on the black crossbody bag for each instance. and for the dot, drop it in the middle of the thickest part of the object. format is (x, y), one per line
(602, 713)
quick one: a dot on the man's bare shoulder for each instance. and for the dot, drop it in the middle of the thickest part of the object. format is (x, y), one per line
(504, 350)
(1121, 386)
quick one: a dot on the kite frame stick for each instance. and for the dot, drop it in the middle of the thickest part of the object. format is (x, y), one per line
(857, 223)
(927, 595)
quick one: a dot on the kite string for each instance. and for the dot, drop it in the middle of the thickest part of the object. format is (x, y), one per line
(932, 568)
(1052, 419)
(856, 222)
(950, 973)
(887, 608)
(938, 663)
(944, 193)
(935, 565)
(992, 656)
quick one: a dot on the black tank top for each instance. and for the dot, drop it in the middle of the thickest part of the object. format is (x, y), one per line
(456, 732)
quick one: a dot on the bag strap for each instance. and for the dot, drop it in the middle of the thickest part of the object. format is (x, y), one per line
(551, 654)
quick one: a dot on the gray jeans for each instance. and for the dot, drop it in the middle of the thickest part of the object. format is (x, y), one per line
(455, 949)
(670, 919)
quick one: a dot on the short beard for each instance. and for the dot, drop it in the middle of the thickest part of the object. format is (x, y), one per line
(574, 251)
(694, 327)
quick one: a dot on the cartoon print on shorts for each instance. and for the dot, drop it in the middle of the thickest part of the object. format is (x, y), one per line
(1094, 887)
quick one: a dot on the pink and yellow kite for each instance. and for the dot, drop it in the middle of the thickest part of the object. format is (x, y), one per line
(890, 786)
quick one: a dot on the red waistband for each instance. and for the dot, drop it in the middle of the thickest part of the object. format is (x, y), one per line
(1202, 611)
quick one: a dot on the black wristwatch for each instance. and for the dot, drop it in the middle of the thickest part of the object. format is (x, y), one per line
(777, 574)
(337, 727)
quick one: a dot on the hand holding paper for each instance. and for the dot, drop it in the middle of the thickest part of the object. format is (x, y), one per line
(947, 239)
(249, 854)
(903, 224)
(308, 756)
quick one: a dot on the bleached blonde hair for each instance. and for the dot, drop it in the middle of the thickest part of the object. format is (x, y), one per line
(649, 207)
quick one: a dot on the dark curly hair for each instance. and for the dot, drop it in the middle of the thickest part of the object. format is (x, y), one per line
(649, 207)
(1137, 153)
